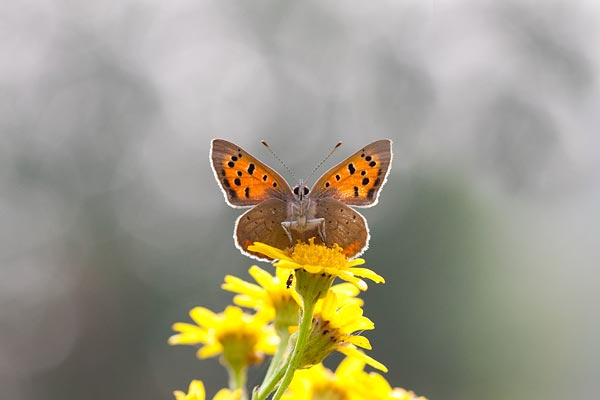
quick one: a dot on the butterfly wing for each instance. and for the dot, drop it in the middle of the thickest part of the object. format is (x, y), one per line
(244, 180)
(262, 224)
(357, 180)
(343, 226)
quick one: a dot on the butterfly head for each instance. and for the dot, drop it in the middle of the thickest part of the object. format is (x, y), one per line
(300, 191)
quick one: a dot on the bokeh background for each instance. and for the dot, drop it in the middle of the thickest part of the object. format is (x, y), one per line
(112, 226)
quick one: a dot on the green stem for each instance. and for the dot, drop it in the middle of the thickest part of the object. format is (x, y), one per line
(268, 385)
(275, 371)
(294, 359)
(237, 380)
(284, 336)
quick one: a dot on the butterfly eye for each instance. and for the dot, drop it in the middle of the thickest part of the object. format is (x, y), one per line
(296, 190)
(305, 190)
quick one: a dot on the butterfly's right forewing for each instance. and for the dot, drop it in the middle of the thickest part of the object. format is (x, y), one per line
(245, 180)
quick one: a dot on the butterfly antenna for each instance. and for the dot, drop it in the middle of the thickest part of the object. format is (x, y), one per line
(338, 144)
(279, 159)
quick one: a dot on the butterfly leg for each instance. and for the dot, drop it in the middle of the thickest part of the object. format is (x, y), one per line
(287, 226)
(320, 224)
(303, 231)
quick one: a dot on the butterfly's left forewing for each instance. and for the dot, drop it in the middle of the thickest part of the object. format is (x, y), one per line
(357, 180)
(245, 180)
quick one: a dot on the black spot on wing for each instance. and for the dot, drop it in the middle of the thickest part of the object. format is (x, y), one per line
(351, 168)
(372, 164)
(365, 181)
(231, 164)
(355, 191)
(239, 173)
(251, 168)
(234, 158)
(247, 192)
(226, 183)
(237, 181)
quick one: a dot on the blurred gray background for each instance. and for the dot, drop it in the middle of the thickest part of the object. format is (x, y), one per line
(112, 226)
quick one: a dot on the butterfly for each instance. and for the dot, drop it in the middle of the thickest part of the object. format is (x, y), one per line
(282, 215)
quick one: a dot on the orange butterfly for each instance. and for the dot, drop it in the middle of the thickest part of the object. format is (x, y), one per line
(281, 215)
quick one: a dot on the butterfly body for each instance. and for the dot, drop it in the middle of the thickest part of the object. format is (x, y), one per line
(281, 216)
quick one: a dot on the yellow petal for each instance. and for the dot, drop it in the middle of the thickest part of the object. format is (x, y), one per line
(359, 341)
(361, 324)
(197, 389)
(356, 261)
(345, 289)
(369, 274)
(352, 351)
(203, 316)
(184, 339)
(268, 251)
(184, 327)
(287, 264)
(348, 314)
(233, 314)
(209, 351)
(283, 274)
(179, 395)
(226, 394)
(313, 269)
(350, 366)
(349, 277)
(235, 284)
(261, 276)
(329, 306)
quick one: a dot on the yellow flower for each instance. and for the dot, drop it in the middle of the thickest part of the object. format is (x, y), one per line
(349, 382)
(401, 394)
(336, 327)
(369, 386)
(242, 338)
(196, 392)
(317, 383)
(320, 259)
(273, 297)
(346, 294)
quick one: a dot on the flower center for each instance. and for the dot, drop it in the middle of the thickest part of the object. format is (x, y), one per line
(318, 254)
(239, 348)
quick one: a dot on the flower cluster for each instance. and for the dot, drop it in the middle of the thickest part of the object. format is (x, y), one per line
(298, 316)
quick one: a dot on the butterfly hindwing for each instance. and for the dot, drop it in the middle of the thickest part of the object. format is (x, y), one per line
(344, 226)
(262, 224)
(357, 180)
(245, 180)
